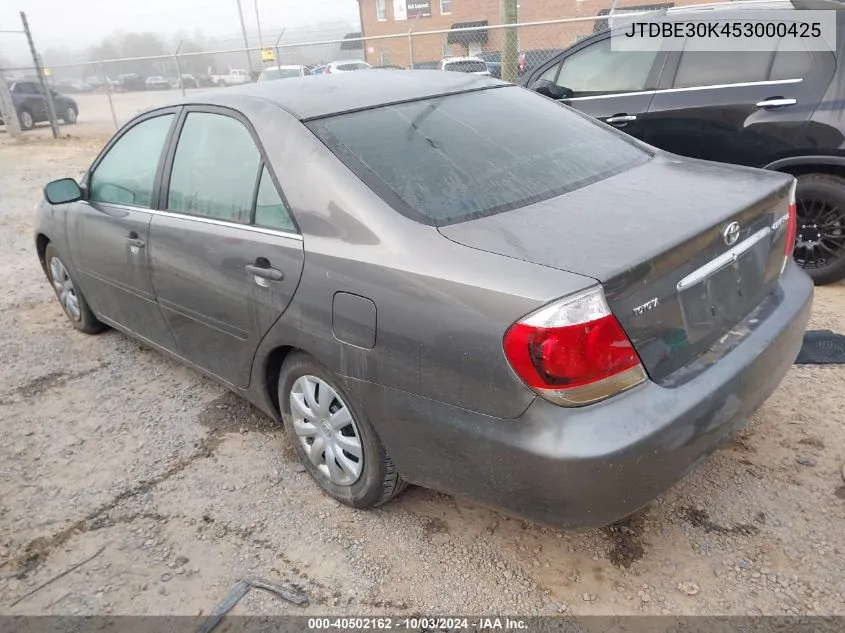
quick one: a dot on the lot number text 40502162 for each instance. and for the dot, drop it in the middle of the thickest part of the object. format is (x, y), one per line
(416, 624)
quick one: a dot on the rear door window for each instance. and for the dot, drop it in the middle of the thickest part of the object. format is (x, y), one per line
(454, 158)
(699, 65)
(215, 169)
(790, 64)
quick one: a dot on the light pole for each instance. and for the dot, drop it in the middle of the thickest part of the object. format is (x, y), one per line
(246, 39)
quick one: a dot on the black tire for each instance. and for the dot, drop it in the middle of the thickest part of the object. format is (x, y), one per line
(26, 119)
(70, 115)
(86, 321)
(379, 481)
(821, 214)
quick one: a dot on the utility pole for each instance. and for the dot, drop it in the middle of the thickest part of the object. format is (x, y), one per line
(7, 110)
(246, 39)
(510, 43)
(36, 60)
(258, 22)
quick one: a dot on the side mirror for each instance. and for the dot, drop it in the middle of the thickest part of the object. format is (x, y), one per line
(551, 89)
(62, 191)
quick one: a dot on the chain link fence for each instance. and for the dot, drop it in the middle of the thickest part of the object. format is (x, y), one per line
(107, 93)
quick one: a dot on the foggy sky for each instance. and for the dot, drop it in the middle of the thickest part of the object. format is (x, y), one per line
(82, 23)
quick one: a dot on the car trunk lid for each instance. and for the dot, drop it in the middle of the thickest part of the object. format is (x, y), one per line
(684, 249)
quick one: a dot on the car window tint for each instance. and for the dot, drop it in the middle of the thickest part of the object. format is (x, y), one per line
(701, 67)
(597, 68)
(347, 67)
(126, 174)
(790, 64)
(25, 88)
(448, 159)
(270, 209)
(550, 74)
(214, 169)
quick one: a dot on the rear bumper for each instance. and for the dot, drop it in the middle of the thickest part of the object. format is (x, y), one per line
(594, 465)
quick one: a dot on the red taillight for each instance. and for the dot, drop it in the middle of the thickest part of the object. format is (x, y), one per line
(573, 351)
(792, 222)
(328, 70)
(522, 63)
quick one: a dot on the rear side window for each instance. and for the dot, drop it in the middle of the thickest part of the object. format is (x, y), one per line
(454, 158)
(215, 169)
(790, 64)
(699, 66)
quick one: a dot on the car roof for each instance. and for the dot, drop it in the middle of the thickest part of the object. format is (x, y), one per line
(449, 60)
(314, 97)
(283, 67)
(346, 61)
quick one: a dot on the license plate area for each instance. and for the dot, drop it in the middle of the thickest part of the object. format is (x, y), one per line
(726, 295)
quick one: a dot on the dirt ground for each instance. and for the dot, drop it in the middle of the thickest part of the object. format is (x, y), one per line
(179, 489)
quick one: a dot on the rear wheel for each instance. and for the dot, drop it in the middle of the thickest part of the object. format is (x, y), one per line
(333, 439)
(27, 122)
(70, 115)
(820, 231)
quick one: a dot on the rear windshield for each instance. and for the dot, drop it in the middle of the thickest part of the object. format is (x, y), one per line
(466, 67)
(464, 156)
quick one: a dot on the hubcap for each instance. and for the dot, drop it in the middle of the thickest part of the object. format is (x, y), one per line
(26, 120)
(70, 117)
(820, 238)
(326, 430)
(65, 291)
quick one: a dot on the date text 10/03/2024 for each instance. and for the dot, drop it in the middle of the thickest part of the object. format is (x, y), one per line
(416, 624)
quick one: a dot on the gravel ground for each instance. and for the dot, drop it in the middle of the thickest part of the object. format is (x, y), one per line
(188, 489)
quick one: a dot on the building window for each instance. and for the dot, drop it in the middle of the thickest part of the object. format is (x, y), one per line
(384, 56)
(445, 7)
(381, 10)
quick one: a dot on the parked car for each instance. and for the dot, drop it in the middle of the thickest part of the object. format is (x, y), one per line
(31, 104)
(283, 72)
(425, 66)
(236, 77)
(531, 59)
(318, 70)
(389, 67)
(493, 59)
(188, 81)
(345, 66)
(72, 86)
(131, 82)
(206, 81)
(472, 65)
(760, 109)
(157, 83)
(561, 333)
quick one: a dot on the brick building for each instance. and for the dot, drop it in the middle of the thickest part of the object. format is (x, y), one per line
(381, 18)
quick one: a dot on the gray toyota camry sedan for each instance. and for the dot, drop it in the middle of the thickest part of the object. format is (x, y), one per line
(442, 279)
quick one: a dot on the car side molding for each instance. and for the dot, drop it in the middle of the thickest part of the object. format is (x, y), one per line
(792, 161)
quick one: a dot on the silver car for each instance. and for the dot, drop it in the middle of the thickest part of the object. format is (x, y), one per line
(551, 317)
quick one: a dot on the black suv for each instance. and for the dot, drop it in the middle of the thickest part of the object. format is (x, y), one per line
(31, 104)
(780, 110)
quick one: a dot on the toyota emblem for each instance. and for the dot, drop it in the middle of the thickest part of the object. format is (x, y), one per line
(731, 233)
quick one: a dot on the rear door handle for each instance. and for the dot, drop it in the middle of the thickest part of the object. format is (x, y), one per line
(271, 274)
(621, 118)
(776, 102)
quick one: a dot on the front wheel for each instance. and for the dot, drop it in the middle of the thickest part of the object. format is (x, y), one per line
(26, 119)
(333, 439)
(820, 231)
(73, 303)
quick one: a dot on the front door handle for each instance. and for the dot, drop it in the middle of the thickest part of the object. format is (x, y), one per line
(776, 102)
(620, 118)
(260, 272)
(133, 240)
